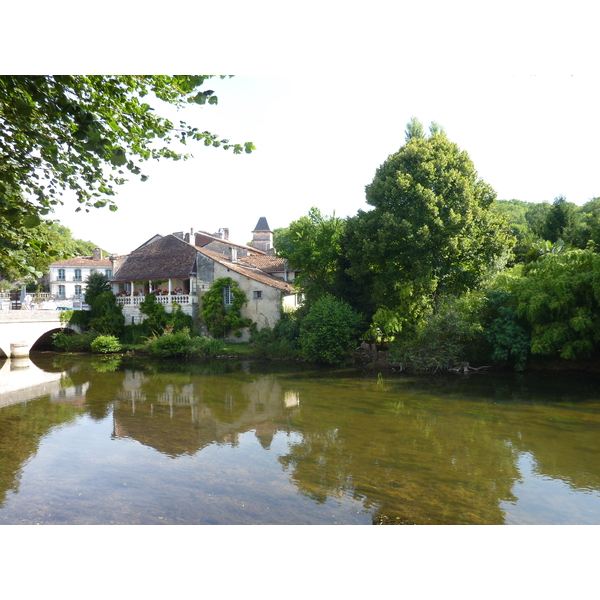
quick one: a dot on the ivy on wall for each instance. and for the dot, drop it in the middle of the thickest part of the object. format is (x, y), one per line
(220, 319)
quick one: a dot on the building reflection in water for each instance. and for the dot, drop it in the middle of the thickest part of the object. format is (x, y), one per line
(180, 420)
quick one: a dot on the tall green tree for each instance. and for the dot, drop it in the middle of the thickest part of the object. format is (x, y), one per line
(105, 315)
(81, 135)
(414, 129)
(432, 230)
(561, 221)
(312, 246)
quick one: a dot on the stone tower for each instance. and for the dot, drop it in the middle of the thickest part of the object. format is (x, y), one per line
(262, 236)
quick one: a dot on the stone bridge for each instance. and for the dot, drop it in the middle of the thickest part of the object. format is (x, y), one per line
(20, 330)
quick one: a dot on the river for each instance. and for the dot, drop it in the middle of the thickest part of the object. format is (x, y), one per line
(126, 440)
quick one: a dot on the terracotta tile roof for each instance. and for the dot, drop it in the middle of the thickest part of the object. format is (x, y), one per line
(171, 257)
(268, 264)
(203, 239)
(166, 258)
(251, 273)
(83, 261)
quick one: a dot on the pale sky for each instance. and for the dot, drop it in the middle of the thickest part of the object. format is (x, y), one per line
(327, 92)
(319, 143)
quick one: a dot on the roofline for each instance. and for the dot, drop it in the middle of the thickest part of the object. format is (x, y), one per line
(247, 271)
(227, 242)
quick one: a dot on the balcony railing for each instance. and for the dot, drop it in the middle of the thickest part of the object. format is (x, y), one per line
(35, 296)
(182, 299)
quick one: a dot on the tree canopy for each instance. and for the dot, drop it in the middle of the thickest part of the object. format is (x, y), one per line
(82, 135)
(559, 298)
(431, 230)
(312, 246)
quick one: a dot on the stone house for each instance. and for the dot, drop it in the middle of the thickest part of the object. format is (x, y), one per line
(180, 269)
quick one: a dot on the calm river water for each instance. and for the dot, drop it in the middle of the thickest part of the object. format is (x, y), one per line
(95, 440)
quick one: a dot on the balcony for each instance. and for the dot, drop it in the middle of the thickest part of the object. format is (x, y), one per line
(167, 300)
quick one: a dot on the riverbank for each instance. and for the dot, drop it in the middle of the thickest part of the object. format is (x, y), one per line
(383, 362)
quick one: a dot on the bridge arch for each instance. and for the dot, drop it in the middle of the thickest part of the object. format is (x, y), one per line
(24, 329)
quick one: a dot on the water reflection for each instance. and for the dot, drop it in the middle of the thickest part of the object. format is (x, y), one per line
(295, 444)
(183, 417)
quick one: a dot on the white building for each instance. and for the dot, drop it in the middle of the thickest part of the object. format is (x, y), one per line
(67, 277)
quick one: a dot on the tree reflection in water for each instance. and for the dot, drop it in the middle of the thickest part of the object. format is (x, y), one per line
(444, 450)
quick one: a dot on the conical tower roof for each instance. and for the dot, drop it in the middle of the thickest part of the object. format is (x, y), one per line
(262, 225)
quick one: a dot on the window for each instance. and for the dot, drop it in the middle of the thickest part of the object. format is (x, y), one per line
(77, 291)
(61, 276)
(227, 296)
(108, 273)
(77, 276)
(61, 291)
(257, 295)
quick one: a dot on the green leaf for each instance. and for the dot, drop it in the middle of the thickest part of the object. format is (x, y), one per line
(31, 221)
(118, 157)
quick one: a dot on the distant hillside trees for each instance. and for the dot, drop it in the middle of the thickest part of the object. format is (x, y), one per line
(60, 244)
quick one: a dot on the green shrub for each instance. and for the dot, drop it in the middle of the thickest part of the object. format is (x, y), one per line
(178, 320)
(441, 340)
(137, 333)
(74, 342)
(181, 345)
(328, 331)
(205, 346)
(509, 339)
(81, 318)
(279, 342)
(157, 319)
(170, 345)
(105, 344)
(111, 323)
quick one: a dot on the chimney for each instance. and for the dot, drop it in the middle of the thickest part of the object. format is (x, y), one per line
(232, 254)
(225, 233)
(97, 254)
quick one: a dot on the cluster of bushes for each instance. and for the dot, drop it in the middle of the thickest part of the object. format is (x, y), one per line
(548, 308)
(449, 335)
(322, 331)
(69, 342)
(163, 334)
(183, 345)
